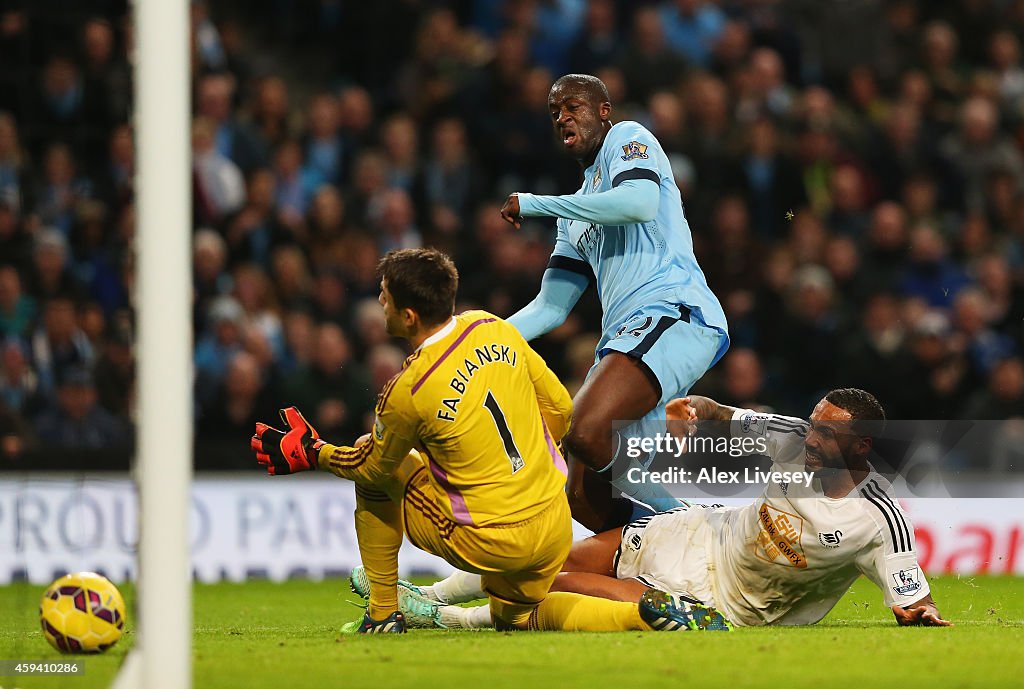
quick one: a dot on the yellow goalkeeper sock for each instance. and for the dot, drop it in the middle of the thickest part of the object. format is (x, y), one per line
(379, 531)
(574, 612)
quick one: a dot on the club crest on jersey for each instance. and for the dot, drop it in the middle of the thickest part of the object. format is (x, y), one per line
(907, 581)
(635, 150)
(635, 541)
(597, 179)
(830, 540)
(378, 429)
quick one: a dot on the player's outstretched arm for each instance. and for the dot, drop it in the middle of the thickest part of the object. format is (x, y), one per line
(560, 289)
(922, 613)
(632, 201)
(300, 448)
(374, 457)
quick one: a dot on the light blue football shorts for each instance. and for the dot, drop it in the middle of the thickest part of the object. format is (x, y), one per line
(672, 343)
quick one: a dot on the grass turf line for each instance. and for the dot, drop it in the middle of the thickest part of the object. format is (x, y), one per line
(263, 635)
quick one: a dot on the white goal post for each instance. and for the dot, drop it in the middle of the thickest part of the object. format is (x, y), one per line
(161, 658)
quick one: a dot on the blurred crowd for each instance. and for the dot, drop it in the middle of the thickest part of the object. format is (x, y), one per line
(852, 173)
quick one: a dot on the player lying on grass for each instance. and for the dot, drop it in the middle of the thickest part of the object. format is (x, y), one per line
(785, 559)
(485, 491)
(662, 327)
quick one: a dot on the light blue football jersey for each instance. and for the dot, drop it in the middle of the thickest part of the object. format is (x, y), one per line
(638, 264)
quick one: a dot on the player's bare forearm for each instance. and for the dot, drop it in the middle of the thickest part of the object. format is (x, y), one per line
(709, 410)
(923, 613)
(683, 413)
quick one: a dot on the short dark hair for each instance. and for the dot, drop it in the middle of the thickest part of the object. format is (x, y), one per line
(593, 87)
(424, 280)
(863, 407)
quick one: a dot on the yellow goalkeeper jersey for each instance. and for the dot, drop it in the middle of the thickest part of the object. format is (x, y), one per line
(484, 410)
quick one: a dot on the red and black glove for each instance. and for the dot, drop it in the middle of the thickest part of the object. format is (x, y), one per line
(289, 452)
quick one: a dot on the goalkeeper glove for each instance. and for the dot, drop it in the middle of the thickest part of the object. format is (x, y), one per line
(287, 452)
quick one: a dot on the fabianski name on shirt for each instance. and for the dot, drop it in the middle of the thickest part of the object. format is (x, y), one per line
(493, 353)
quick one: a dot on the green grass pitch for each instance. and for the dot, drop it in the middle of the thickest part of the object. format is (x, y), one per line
(263, 635)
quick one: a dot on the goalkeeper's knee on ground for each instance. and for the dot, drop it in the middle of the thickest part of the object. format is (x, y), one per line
(508, 617)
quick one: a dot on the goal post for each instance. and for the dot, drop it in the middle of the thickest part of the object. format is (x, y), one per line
(161, 658)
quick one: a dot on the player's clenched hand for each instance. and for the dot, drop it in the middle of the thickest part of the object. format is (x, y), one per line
(290, 451)
(922, 615)
(510, 211)
(681, 417)
(681, 409)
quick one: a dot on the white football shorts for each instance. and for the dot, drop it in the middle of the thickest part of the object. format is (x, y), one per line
(667, 551)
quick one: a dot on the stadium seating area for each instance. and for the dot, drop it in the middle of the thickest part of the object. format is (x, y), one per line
(852, 172)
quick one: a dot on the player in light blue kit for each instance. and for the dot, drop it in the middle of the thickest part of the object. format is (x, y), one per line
(662, 327)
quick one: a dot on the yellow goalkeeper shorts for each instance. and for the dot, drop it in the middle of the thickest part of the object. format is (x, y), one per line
(518, 561)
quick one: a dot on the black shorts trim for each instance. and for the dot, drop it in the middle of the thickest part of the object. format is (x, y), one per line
(645, 582)
(649, 340)
(663, 324)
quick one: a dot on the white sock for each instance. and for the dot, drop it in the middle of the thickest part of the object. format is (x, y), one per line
(428, 593)
(478, 617)
(460, 587)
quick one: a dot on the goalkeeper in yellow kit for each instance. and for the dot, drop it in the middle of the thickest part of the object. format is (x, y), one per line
(463, 459)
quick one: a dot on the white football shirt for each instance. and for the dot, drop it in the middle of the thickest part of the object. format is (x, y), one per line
(788, 557)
